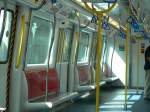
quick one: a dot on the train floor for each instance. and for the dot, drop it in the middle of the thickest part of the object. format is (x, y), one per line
(111, 100)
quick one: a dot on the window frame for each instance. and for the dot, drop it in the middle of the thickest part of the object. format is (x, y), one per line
(44, 16)
(12, 12)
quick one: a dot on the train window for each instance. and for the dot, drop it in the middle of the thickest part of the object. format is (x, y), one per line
(39, 41)
(83, 49)
(6, 34)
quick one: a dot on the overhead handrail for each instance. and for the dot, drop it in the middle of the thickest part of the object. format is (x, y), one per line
(40, 6)
(99, 14)
(93, 10)
(18, 62)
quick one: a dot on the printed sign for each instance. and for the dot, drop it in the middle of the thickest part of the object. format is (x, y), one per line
(94, 19)
(122, 34)
(105, 26)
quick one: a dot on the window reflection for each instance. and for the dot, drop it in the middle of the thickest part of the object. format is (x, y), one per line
(39, 41)
(6, 35)
(83, 49)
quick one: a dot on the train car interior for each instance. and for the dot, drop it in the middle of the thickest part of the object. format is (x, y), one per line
(74, 56)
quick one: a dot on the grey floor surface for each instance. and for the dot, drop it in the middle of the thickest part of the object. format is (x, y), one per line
(111, 100)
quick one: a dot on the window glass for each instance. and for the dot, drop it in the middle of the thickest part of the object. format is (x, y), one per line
(6, 36)
(39, 41)
(83, 49)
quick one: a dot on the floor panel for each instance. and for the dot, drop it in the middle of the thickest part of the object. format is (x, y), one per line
(111, 100)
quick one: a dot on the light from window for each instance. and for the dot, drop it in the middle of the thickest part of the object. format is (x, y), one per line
(119, 65)
(39, 41)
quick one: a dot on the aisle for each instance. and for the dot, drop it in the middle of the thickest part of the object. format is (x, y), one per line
(112, 100)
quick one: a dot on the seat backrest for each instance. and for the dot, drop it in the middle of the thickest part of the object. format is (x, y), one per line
(37, 82)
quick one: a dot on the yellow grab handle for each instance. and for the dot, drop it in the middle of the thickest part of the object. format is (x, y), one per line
(93, 11)
(21, 42)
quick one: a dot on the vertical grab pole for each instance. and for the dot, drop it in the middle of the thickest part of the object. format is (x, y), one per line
(99, 47)
(98, 67)
(138, 57)
(127, 66)
(18, 62)
(76, 45)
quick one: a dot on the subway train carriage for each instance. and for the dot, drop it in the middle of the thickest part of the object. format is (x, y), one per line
(74, 55)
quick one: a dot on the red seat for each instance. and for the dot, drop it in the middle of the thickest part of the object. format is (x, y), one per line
(37, 82)
(53, 82)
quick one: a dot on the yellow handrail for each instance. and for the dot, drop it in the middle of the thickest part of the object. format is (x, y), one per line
(21, 42)
(99, 47)
(93, 10)
(127, 65)
(76, 45)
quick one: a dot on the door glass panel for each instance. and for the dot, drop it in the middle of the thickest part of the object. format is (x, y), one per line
(39, 41)
(83, 49)
(6, 36)
(66, 45)
(63, 45)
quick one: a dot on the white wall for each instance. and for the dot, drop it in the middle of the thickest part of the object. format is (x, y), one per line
(119, 62)
(119, 57)
(134, 61)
